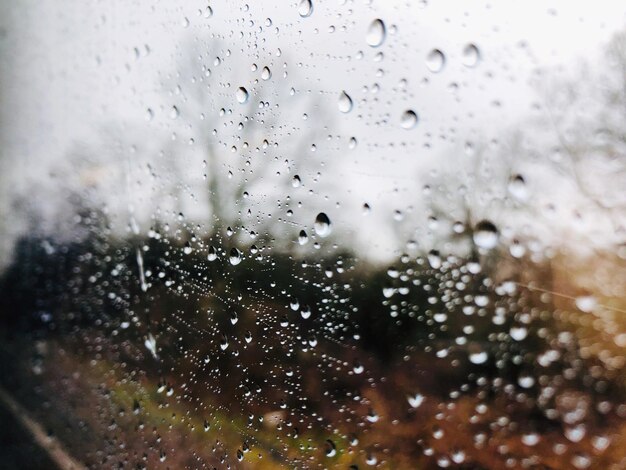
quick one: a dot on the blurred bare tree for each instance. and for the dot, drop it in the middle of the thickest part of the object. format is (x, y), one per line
(246, 130)
(576, 141)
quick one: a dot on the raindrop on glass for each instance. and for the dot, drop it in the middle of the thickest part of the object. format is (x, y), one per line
(485, 235)
(322, 225)
(471, 55)
(305, 311)
(235, 256)
(435, 61)
(408, 119)
(478, 357)
(376, 33)
(415, 400)
(517, 187)
(241, 94)
(345, 102)
(305, 8)
(302, 238)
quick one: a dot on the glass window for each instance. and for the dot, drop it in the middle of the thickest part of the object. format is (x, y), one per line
(313, 234)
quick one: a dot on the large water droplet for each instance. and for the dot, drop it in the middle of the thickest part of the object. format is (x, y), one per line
(151, 345)
(376, 33)
(235, 256)
(305, 312)
(531, 439)
(322, 225)
(526, 381)
(435, 60)
(434, 259)
(330, 448)
(212, 256)
(586, 303)
(302, 238)
(266, 73)
(471, 55)
(518, 333)
(408, 119)
(479, 357)
(517, 187)
(416, 400)
(345, 102)
(241, 94)
(485, 235)
(305, 8)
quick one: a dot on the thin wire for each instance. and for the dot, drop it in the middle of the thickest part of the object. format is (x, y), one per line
(565, 296)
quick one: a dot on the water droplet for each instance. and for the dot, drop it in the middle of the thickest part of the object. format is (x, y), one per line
(581, 461)
(266, 74)
(212, 256)
(479, 357)
(440, 317)
(458, 456)
(235, 256)
(526, 381)
(372, 417)
(150, 344)
(302, 238)
(517, 187)
(600, 443)
(330, 448)
(435, 61)
(518, 333)
(174, 112)
(296, 182)
(416, 400)
(408, 119)
(376, 33)
(575, 434)
(358, 368)
(305, 8)
(485, 235)
(345, 102)
(241, 94)
(531, 439)
(471, 55)
(322, 225)
(586, 303)
(434, 259)
(305, 312)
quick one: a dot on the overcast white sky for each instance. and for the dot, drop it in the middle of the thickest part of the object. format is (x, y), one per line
(68, 71)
